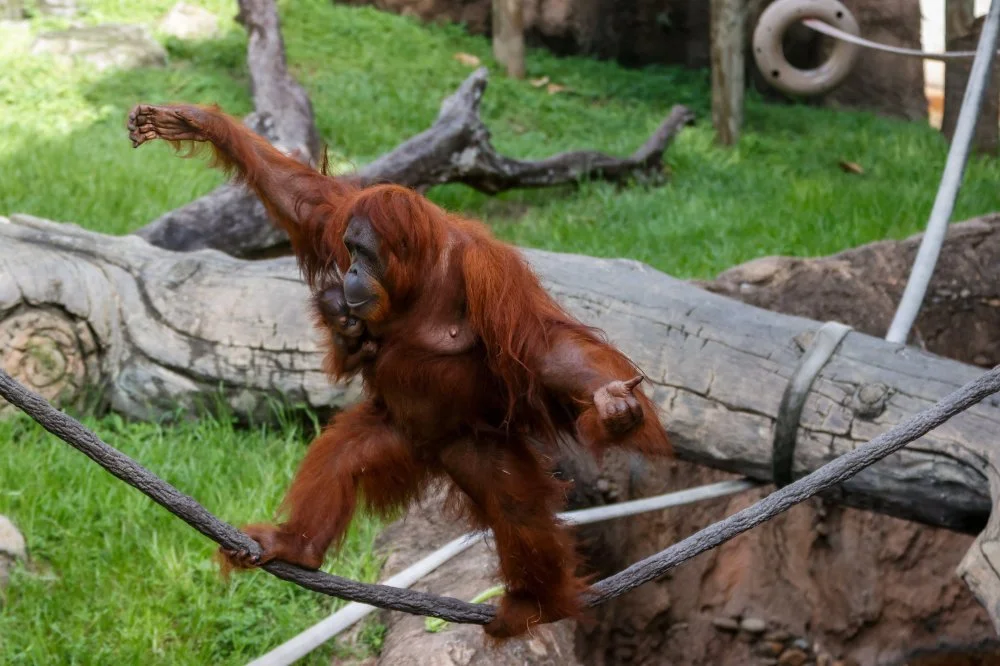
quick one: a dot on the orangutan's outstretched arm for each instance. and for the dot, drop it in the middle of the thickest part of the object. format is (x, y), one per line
(289, 189)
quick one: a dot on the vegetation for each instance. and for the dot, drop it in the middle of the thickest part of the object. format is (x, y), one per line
(115, 579)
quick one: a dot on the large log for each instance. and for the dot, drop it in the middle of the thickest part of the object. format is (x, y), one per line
(165, 333)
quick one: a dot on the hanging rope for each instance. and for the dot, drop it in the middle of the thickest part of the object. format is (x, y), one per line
(832, 31)
(305, 642)
(833, 19)
(187, 509)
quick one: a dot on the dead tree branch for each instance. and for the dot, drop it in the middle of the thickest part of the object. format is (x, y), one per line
(275, 92)
(455, 149)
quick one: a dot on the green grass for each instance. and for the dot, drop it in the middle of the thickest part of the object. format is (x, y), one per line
(114, 578)
(376, 79)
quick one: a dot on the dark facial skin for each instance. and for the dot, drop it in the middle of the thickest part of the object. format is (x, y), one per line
(363, 289)
(355, 309)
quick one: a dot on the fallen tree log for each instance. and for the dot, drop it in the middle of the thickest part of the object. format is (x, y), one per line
(165, 333)
(283, 114)
(455, 149)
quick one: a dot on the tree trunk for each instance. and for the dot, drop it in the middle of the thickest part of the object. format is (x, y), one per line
(985, 139)
(508, 36)
(728, 68)
(166, 333)
(11, 10)
(959, 15)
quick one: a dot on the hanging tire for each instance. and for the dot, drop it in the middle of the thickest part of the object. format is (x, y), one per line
(770, 57)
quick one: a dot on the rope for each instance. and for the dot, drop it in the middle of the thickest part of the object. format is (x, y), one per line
(786, 426)
(833, 473)
(951, 181)
(837, 33)
(768, 35)
(829, 475)
(302, 644)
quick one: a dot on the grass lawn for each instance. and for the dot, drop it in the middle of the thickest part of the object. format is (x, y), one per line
(117, 580)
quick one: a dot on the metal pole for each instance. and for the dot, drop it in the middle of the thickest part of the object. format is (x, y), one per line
(951, 181)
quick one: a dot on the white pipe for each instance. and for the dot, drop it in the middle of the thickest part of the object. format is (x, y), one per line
(299, 646)
(951, 181)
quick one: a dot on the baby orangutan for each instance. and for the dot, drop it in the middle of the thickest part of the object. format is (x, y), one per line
(470, 370)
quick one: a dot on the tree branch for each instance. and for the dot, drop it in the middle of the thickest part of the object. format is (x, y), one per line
(454, 610)
(456, 148)
(276, 92)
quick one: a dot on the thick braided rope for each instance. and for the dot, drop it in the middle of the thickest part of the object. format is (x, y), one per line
(420, 603)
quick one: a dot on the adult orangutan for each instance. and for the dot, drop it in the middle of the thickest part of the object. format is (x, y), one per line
(471, 370)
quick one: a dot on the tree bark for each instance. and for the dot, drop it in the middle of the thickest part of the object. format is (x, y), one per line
(728, 68)
(959, 16)
(164, 334)
(987, 134)
(455, 149)
(276, 92)
(11, 10)
(148, 326)
(508, 36)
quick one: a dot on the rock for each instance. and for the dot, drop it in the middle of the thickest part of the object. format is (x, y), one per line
(778, 636)
(753, 625)
(185, 21)
(769, 648)
(793, 657)
(11, 542)
(104, 46)
(63, 8)
(12, 548)
(726, 624)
